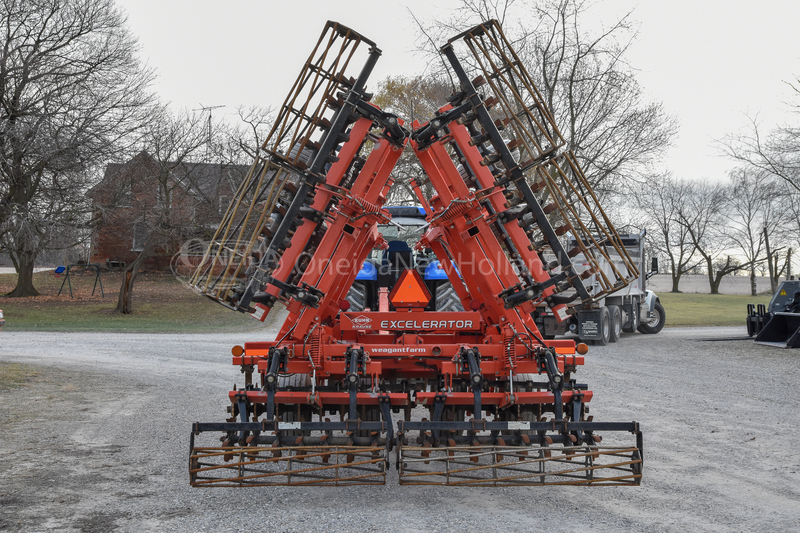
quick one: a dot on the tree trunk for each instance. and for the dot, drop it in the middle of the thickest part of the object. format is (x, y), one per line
(24, 277)
(713, 283)
(676, 279)
(125, 301)
(724, 271)
(721, 273)
(785, 269)
(753, 285)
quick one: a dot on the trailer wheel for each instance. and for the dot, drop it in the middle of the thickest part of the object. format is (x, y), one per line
(616, 322)
(605, 328)
(656, 323)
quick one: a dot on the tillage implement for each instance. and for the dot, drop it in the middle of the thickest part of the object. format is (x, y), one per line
(470, 397)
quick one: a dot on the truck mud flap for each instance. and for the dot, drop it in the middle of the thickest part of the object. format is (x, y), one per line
(782, 330)
(321, 459)
(589, 325)
(533, 456)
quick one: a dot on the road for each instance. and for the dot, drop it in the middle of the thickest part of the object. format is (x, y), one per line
(98, 441)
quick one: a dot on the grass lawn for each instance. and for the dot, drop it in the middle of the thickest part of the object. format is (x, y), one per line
(708, 309)
(161, 304)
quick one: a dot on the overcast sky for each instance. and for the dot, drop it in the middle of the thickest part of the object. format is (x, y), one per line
(712, 63)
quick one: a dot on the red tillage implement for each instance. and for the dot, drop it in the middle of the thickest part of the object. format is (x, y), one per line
(480, 397)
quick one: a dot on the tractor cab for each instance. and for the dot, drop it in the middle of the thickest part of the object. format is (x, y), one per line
(383, 268)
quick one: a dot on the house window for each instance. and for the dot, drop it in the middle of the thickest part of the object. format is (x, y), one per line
(125, 195)
(139, 236)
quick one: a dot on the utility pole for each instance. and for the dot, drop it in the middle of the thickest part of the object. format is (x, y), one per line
(772, 283)
(789, 264)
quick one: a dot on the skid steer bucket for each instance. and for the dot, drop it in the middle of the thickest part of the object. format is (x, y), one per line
(782, 330)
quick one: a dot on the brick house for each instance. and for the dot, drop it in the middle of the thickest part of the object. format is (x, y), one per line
(135, 196)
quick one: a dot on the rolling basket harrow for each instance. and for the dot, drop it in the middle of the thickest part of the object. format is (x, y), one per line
(481, 397)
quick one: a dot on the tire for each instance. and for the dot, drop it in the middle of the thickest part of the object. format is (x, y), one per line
(655, 324)
(288, 414)
(527, 415)
(605, 328)
(307, 156)
(616, 322)
(357, 296)
(447, 299)
(294, 380)
(459, 415)
(369, 414)
(633, 324)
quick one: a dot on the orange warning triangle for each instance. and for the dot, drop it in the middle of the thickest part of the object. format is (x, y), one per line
(410, 291)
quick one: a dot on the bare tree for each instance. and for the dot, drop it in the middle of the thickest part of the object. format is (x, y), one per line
(661, 200)
(242, 140)
(788, 215)
(71, 89)
(776, 152)
(165, 169)
(773, 260)
(585, 80)
(750, 207)
(701, 215)
(414, 98)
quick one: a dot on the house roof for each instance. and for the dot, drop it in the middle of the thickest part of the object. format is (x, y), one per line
(205, 178)
(202, 179)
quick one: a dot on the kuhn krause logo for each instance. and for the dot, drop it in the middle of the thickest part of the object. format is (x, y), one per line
(361, 322)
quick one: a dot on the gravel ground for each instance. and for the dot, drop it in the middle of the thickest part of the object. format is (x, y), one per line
(98, 441)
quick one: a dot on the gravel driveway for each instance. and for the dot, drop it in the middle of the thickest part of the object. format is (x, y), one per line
(98, 441)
